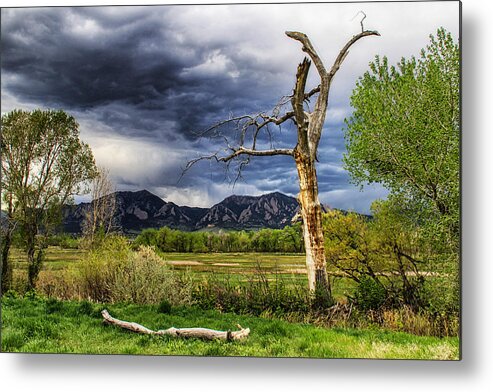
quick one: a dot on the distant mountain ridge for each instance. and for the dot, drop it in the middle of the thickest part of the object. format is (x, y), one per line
(139, 210)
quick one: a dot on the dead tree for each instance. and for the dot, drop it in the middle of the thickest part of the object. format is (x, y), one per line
(99, 217)
(309, 125)
(198, 333)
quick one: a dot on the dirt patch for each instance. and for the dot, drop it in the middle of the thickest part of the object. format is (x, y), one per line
(184, 262)
(226, 264)
(296, 270)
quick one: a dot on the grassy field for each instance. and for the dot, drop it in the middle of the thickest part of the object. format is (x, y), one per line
(48, 326)
(236, 267)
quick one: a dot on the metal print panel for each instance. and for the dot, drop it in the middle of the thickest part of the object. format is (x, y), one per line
(265, 180)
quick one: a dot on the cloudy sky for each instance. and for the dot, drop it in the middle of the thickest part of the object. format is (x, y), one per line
(144, 81)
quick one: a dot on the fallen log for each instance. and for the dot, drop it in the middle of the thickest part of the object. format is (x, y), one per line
(201, 333)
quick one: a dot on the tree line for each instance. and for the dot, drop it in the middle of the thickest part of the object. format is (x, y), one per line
(286, 240)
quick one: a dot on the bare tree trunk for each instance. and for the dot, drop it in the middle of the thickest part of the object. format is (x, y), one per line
(6, 243)
(309, 128)
(6, 266)
(34, 259)
(200, 333)
(311, 213)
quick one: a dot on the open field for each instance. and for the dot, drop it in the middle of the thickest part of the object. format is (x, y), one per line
(47, 326)
(234, 267)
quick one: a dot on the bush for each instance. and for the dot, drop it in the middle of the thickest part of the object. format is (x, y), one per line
(369, 294)
(112, 272)
(63, 285)
(85, 308)
(146, 279)
(99, 269)
(64, 241)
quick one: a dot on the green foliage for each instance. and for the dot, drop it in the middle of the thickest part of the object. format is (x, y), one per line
(113, 272)
(85, 308)
(63, 240)
(146, 279)
(256, 296)
(100, 268)
(12, 294)
(370, 295)
(53, 305)
(286, 240)
(384, 252)
(31, 295)
(404, 133)
(44, 164)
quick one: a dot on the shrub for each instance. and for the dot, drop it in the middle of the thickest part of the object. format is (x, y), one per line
(369, 294)
(146, 278)
(99, 269)
(259, 295)
(64, 241)
(63, 285)
(112, 272)
(85, 308)
(31, 295)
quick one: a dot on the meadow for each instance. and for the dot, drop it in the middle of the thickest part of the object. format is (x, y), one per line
(235, 268)
(49, 326)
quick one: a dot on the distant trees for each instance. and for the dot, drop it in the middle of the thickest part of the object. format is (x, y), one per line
(44, 163)
(286, 240)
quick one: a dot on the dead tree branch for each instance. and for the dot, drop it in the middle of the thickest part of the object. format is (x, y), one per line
(199, 333)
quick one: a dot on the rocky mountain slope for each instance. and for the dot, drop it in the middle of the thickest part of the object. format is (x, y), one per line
(142, 209)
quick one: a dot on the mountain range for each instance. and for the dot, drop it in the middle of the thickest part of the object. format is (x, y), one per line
(135, 211)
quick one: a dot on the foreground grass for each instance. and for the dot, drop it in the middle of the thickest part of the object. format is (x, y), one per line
(34, 325)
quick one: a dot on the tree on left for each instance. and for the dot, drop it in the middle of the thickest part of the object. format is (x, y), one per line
(44, 164)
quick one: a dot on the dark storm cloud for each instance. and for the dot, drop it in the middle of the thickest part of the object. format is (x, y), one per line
(134, 72)
(142, 81)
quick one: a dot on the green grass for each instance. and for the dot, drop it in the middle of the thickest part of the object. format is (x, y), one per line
(50, 326)
(56, 258)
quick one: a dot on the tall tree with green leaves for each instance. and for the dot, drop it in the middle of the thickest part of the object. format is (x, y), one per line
(405, 133)
(44, 163)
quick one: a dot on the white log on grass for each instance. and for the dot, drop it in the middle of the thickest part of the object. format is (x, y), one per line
(201, 333)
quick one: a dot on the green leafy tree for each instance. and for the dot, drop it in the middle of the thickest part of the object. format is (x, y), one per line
(404, 133)
(44, 163)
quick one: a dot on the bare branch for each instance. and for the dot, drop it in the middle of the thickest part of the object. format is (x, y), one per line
(310, 50)
(299, 94)
(344, 51)
(259, 153)
(312, 92)
(201, 333)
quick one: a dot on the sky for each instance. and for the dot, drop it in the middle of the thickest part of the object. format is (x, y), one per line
(144, 81)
